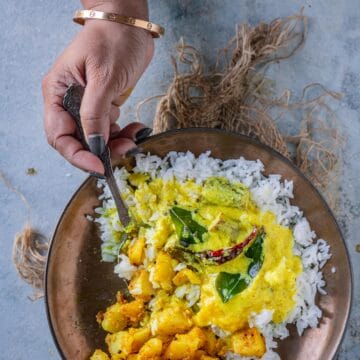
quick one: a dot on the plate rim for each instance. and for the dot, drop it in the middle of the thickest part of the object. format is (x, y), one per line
(200, 130)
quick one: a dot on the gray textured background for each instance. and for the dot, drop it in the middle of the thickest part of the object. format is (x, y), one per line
(33, 33)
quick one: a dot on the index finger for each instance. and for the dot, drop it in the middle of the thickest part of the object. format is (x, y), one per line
(60, 129)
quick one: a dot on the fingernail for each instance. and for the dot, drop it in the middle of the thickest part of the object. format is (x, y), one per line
(143, 133)
(96, 144)
(134, 151)
(97, 175)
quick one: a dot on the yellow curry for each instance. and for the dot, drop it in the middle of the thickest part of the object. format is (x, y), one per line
(203, 257)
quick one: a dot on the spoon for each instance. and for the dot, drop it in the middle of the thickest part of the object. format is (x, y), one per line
(96, 144)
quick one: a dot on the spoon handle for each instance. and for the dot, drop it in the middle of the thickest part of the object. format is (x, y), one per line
(72, 102)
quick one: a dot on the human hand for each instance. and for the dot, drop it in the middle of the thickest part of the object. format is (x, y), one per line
(107, 59)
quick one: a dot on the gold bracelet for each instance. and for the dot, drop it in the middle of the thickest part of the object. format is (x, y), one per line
(155, 30)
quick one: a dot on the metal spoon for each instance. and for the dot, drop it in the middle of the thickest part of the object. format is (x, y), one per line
(96, 144)
(72, 101)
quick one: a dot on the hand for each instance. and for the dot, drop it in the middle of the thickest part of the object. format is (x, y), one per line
(108, 59)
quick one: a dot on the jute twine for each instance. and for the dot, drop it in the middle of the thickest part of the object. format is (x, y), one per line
(237, 96)
(29, 249)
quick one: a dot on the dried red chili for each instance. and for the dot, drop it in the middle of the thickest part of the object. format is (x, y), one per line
(221, 256)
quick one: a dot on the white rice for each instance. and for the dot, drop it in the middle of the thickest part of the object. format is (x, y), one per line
(124, 269)
(180, 266)
(189, 292)
(269, 193)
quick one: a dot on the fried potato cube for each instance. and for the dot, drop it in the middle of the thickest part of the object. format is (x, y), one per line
(130, 357)
(140, 285)
(166, 340)
(134, 310)
(213, 344)
(99, 355)
(100, 317)
(163, 271)
(198, 334)
(113, 320)
(151, 350)
(121, 357)
(201, 355)
(139, 338)
(163, 229)
(186, 345)
(119, 343)
(124, 343)
(178, 350)
(248, 342)
(120, 298)
(171, 321)
(206, 357)
(136, 251)
(186, 276)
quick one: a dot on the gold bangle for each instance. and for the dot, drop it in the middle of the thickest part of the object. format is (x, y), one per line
(155, 30)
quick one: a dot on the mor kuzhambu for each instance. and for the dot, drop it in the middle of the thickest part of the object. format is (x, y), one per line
(212, 272)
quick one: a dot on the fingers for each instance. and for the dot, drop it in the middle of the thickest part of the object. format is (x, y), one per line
(73, 151)
(120, 147)
(57, 122)
(123, 142)
(134, 131)
(60, 127)
(114, 114)
(96, 109)
(60, 130)
(114, 131)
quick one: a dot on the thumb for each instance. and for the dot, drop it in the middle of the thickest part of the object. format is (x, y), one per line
(95, 110)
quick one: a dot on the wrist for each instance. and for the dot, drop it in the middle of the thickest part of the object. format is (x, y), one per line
(137, 8)
(115, 32)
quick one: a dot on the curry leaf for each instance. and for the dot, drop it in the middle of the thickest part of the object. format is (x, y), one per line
(254, 268)
(187, 229)
(255, 252)
(228, 285)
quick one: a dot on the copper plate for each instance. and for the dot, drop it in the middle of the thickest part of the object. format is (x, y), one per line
(78, 284)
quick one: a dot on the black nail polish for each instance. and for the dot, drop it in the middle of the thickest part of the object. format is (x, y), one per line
(143, 133)
(97, 175)
(134, 151)
(96, 144)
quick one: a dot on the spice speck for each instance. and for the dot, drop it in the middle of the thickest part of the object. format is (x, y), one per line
(31, 171)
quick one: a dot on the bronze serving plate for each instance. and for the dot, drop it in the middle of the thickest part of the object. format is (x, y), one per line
(78, 284)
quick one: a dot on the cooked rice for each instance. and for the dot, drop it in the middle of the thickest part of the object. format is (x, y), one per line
(269, 193)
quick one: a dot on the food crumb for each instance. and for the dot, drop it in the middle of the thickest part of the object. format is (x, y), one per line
(89, 217)
(358, 248)
(333, 269)
(31, 171)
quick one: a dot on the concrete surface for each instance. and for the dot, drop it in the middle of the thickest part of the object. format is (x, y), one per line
(33, 33)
